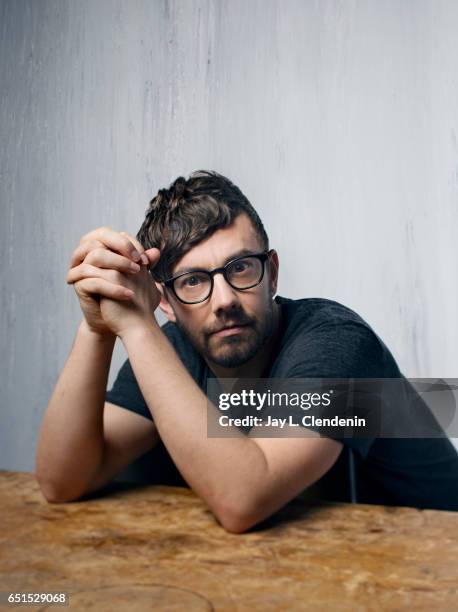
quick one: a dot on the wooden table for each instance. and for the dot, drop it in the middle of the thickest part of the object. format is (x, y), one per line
(160, 548)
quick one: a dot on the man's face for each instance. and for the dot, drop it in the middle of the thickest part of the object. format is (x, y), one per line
(253, 309)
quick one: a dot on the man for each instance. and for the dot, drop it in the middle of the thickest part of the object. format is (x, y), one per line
(216, 280)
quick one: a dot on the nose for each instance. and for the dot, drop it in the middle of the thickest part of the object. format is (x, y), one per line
(223, 296)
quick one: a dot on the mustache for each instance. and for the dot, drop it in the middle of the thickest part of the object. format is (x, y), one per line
(233, 322)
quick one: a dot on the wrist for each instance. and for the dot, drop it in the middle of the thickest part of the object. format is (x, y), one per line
(139, 331)
(99, 337)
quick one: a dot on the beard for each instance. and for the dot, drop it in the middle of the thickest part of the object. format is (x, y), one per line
(235, 350)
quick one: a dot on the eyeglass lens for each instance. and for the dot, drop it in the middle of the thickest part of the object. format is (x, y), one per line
(241, 274)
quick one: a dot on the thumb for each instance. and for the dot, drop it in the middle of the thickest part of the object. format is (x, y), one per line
(153, 256)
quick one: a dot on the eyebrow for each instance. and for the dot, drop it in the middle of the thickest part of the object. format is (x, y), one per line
(239, 253)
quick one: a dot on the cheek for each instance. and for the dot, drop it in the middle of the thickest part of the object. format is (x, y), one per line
(259, 304)
(193, 322)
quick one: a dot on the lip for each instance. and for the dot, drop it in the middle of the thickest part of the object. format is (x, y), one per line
(230, 331)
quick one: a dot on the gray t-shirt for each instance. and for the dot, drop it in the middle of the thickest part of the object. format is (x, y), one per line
(321, 338)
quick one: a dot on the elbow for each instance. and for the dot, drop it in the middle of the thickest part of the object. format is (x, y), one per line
(235, 525)
(237, 519)
(54, 494)
(54, 497)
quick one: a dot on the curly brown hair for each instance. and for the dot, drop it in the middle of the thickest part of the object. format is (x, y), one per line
(189, 211)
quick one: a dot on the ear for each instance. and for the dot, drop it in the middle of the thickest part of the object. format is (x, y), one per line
(273, 272)
(164, 304)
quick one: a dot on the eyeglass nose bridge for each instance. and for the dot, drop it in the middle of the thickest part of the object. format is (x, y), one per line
(211, 274)
(222, 270)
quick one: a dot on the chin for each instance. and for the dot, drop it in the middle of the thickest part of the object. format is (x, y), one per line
(233, 356)
(230, 361)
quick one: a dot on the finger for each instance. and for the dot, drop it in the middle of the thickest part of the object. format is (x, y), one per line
(86, 270)
(115, 241)
(102, 287)
(138, 245)
(82, 250)
(153, 255)
(103, 258)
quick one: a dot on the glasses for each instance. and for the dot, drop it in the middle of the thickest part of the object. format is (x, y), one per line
(197, 285)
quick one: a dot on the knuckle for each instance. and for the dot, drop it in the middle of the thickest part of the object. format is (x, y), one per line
(79, 287)
(91, 285)
(127, 244)
(130, 240)
(93, 234)
(99, 252)
(115, 277)
(95, 255)
(90, 258)
(87, 269)
(103, 231)
(125, 264)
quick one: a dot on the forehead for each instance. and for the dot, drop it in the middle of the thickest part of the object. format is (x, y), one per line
(221, 246)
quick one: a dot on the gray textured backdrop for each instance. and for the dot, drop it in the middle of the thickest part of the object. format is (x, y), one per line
(338, 119)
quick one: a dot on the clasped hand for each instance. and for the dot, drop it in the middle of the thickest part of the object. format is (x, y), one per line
(110, 273)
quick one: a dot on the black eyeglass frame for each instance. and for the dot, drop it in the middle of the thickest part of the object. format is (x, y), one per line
(170, 282)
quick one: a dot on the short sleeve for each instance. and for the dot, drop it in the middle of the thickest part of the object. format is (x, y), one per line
(342, 351)
(126, 392)
(346, 350)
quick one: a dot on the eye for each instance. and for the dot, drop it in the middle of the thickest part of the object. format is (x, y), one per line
(191, 281)
(240, 266)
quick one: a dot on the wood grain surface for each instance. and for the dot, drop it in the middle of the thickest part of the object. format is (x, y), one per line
(160, 548)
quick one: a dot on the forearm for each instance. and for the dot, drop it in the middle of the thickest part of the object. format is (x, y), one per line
(222, 471)
(70, 444)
